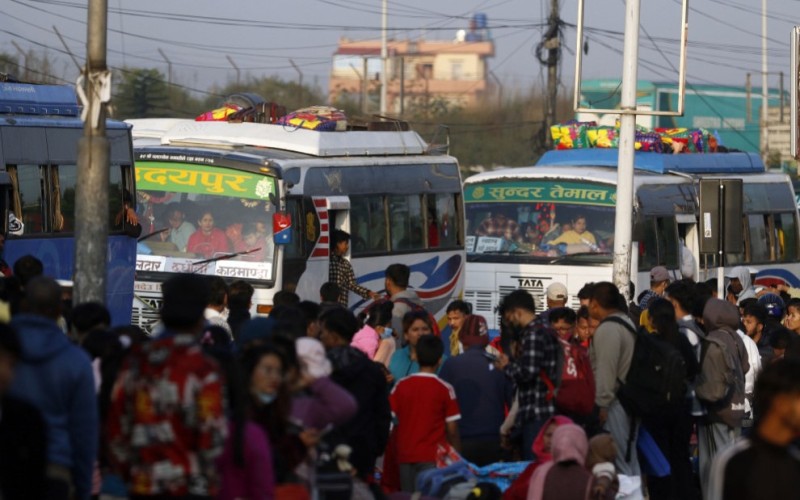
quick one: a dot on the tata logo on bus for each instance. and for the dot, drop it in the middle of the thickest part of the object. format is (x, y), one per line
(530, 283)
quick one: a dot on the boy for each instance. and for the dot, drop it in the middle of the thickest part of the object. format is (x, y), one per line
(426, 414)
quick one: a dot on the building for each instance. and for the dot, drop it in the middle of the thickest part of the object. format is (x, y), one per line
(732, 113)
(420, 72)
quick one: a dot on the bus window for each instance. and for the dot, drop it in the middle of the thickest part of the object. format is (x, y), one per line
(301, 237)
(785, 237)
(759, 244)
(63, 179)
(441, 223)
(668, 245)
(648, 245)
(406, 222)
(368, 224)
(29, 196)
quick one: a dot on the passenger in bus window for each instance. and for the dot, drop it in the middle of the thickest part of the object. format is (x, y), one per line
(433, 228)
(578, 233)
(252, 241)
(207, 240)
(179, 228)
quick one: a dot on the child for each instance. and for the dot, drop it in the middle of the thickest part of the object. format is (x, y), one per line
(426, 414)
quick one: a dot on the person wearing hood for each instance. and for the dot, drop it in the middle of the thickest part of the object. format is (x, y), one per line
(542, 450)
(723, 421)
(56, 377)
(740, 284)
(368, 431)
(565, 477)
(482, 393)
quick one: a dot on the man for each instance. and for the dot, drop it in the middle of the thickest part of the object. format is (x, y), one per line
(23, 432)
(754, 319)
(611, 351)
(341, 271)
(482, 393)
(396, 283)
(179, 228)
(539, 353)
(457, 312)
(723, 421)
(240, 300)
(740, 284)
(556, 295)
(166, 423)
(766, 465)
(659, 280)
(56, 377)
(216, 310)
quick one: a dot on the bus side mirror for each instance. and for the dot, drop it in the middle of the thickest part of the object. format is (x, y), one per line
(282, 228)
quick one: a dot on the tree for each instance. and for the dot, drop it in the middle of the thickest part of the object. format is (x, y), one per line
(271, 89)
(142, 93)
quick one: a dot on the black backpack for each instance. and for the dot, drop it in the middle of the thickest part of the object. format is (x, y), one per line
(655, 385)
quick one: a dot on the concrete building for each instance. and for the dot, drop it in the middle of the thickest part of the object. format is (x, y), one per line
(420, 72)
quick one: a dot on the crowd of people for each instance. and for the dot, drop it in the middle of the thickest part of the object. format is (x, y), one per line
(315, 402)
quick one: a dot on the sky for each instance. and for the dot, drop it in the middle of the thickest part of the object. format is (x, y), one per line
(206, 39)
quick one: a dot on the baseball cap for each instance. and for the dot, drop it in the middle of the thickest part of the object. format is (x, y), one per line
(659, 273)
(557, 291)
(773, 303)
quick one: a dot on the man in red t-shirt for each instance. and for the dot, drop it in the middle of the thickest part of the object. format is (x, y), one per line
(426, 414)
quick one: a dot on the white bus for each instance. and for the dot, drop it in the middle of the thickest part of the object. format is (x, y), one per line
(400, 203)
(516, 216)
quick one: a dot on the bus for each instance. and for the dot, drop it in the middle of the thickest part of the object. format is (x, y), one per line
(515, 218)
(40, 126)
(276, 192)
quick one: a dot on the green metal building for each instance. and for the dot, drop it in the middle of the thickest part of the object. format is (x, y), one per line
(732, 113)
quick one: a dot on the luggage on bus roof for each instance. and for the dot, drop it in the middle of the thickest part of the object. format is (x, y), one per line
(697, 163)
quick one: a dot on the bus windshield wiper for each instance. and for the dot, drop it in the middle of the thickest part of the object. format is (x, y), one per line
(225, 257)
(150, 235)
(577, 254)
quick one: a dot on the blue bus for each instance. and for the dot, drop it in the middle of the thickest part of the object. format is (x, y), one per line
(40, 126)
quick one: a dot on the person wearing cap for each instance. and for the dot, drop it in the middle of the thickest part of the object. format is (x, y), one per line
(659, 280)
(740, 284)
(482, 393)
(555, 296)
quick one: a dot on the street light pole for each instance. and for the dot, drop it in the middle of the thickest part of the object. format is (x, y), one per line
(384, 56)
(764, 88)
(627, 137)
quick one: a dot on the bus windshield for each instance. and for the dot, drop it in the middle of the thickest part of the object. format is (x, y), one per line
(540, 220)
(206, 220)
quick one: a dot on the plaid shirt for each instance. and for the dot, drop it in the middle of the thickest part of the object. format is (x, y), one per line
(539, 351)
(341, 273)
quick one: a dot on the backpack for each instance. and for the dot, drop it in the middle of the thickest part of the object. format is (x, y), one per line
(438, 482)
(414, 308)
(574, 387)
(656, 381)
(717, 379)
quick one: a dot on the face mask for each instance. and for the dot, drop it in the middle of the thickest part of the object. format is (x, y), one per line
(265, 398)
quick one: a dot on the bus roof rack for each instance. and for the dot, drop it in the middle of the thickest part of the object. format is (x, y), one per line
(659, 163)
(288, 138)
(33, 99)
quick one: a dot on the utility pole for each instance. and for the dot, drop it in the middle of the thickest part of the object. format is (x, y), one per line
(627, 138)
(238, 73)
(299, 83)
(169, 74)
(384, 56)
(748, 89)
(402, 86)
(499, 89)
(764, 88)
(362, 78)
(553, 45)
(91, 191)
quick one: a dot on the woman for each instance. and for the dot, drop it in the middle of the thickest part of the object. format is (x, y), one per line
(404, 361)
(672, 432)
(564, 477)
(269, 405)
(376, 337)
(207, 240)
(245, 466)
(542, 447)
